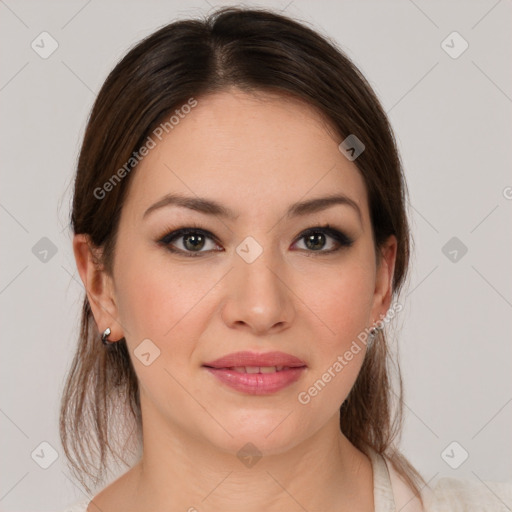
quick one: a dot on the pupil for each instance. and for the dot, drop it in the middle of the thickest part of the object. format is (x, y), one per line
(193, 241)
(317, 240)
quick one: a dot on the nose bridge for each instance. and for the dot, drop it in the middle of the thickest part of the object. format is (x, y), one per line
(257, 294)
(258, 266)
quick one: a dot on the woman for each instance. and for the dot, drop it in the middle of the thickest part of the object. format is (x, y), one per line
(240, 229)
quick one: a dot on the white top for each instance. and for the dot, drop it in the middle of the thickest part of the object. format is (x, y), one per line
(392, 494)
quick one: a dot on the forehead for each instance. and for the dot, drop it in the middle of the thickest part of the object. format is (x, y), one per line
(253, 152)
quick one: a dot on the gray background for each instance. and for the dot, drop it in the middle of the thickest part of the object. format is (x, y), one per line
(452, 118)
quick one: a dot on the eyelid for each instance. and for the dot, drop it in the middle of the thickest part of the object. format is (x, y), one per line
(176, 233)
(172, 234)
(339, 235)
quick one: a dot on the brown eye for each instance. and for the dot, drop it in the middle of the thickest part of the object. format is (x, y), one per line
(189, 242)
(315, 239)
(193, 241)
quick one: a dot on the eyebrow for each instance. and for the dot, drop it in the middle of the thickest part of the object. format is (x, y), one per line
(210, 207)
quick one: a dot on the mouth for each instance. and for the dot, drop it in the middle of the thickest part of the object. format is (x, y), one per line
(256, 380)
(255, 369)
(253, 362)
(256, 373)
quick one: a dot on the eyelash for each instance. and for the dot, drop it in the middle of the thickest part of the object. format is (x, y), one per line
(343, 240)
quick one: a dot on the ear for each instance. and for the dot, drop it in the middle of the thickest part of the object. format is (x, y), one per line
(384, 279)
(98, 286)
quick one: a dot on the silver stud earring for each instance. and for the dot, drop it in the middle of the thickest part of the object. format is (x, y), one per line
(373, 331)
(105, 335)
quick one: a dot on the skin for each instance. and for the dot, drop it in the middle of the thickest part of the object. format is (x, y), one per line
(256, 154)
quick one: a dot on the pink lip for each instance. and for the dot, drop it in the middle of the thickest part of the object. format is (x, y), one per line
(255, 359)
(257, 383)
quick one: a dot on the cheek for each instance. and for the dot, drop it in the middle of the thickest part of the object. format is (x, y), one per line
(343, 299)
(152, 295)
(160, 302)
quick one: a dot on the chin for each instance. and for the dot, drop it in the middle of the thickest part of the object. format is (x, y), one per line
(265, 434)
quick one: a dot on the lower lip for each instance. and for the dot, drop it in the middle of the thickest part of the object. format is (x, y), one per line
(257, 383)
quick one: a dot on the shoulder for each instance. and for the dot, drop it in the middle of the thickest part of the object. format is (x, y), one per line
(117, 495)
(452, 495)
(79, 506)
(468, 495)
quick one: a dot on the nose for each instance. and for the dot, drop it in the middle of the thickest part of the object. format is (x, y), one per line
(258, 298)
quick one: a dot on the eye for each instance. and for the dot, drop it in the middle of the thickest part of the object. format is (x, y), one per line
(193, 241)
(316, 238)
(190, 241)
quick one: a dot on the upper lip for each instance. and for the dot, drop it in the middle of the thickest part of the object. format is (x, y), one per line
(256, 359)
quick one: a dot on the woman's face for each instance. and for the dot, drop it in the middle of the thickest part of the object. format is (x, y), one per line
(254, 281)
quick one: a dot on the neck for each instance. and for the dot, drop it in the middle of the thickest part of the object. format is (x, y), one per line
(323, 472)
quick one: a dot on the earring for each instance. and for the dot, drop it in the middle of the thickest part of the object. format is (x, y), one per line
(105, 335)
(373, 331)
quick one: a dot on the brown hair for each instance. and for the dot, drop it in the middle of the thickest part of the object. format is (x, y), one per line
(253, 50)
